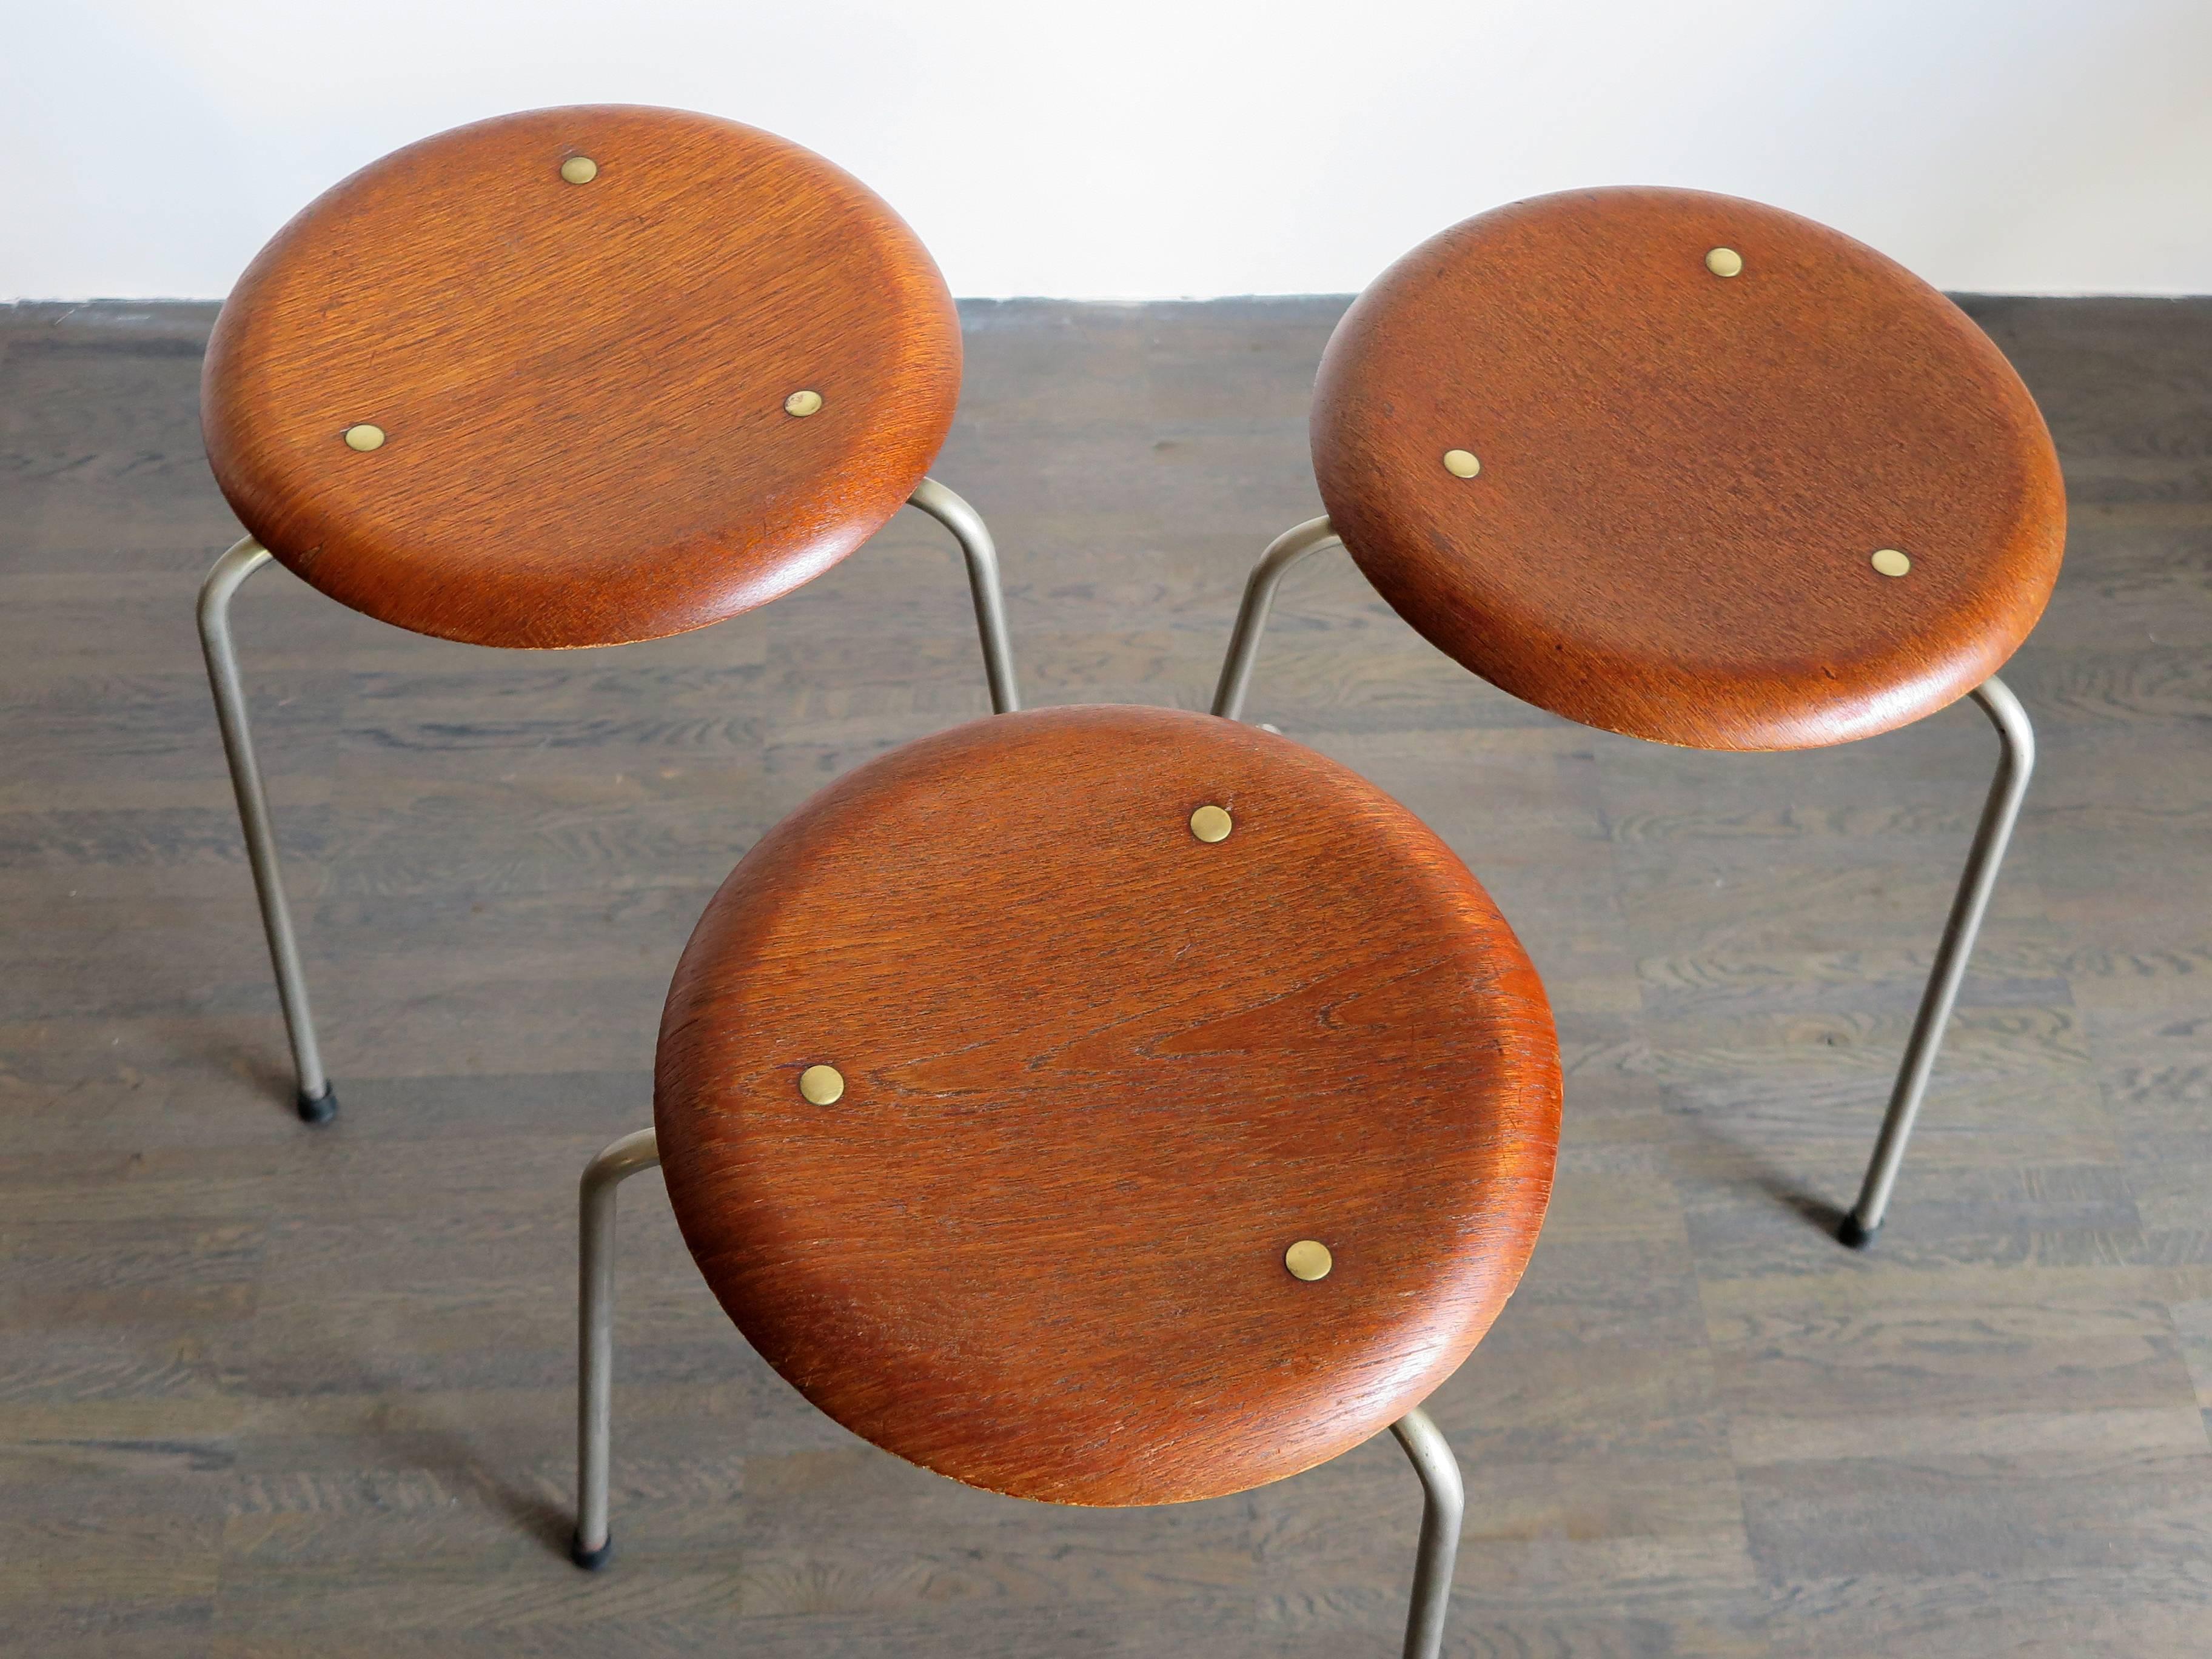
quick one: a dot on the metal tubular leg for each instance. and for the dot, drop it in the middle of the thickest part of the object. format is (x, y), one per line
(1286, 550)
(1999, 813)
(1443, 1502)
(595, 1332)
(317, 1102)
(975, 546)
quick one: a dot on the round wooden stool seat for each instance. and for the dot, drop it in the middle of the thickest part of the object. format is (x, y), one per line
(580, 376)
(1688, 468)
(1108, 1105)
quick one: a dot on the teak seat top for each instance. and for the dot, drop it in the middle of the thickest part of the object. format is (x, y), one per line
(1099, 1075)
(580, 386)
(1684, 474)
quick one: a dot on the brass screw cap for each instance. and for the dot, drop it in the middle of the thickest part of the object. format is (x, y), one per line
(1309, 1259)
(364, 437)
(1210, 824)
(822, 1085)
(580, 169)
(1461, 464)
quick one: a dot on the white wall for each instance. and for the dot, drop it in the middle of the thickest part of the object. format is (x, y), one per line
(1150, 148)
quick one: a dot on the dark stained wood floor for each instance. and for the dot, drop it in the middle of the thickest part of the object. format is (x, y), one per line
(267, 1390)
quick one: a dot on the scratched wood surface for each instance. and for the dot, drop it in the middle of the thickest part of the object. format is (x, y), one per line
(264, 1389)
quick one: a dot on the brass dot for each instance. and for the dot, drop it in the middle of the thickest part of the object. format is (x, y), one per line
(364, 437)
(1210, 824)
(1890, 562)
(822, 1085)
(1724, 262)
(1309, 1259)
(802, 403)
(580, 169)
(1460, 464)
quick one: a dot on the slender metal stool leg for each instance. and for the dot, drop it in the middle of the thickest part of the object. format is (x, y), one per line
(318, 1102)
(1286, 550)
(595, 1322)
(1443, 1502)
(1999, 813)
(975, 546)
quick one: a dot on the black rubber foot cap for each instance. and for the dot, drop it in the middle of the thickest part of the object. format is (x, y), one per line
(319, 1108)
(1854, 1236)
(590, 1560)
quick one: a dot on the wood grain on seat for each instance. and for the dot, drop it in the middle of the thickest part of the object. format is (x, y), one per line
(1099, 1076)
(1683, 477)
(581, 386)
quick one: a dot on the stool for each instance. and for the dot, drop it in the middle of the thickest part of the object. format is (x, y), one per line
(575, 377)
(1101, 1105)
(1699, 471)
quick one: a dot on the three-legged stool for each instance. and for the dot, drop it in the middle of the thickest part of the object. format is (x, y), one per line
(575, 377)
(1102, 1105)
(1700, 472)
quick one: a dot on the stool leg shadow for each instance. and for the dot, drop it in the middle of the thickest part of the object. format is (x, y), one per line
(1820, 1214)
(445, 1451)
